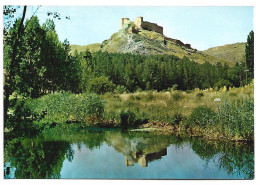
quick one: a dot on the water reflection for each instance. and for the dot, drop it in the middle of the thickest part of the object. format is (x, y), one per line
(44, 158)
(140, 149)
(36, 158)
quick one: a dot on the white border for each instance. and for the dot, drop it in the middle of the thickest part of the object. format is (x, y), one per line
(254, 3)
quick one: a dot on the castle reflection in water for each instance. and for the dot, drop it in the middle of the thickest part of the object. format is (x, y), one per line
(138, 150)
(143, 159)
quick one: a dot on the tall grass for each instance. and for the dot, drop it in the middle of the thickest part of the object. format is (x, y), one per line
(66, 107)
(232, 115)
(227, 112)
(237, 119)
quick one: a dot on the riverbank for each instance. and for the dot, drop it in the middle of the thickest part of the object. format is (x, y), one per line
(213, 114)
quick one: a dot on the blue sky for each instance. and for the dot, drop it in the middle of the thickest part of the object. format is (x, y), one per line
(202, 27)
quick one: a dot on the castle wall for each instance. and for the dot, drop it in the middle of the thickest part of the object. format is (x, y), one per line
(152, 27)
(123, 20)
(178, 42)
(138, 22)
(141, 24)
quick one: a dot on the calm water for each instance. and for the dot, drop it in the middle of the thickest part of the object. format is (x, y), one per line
(116, 154)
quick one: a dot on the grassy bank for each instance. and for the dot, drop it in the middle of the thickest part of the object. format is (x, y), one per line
(213, 114)
(207, 113)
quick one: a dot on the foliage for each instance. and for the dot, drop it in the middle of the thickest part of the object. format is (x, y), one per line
(222, 83)
(100, 85)
(127, 118)
(177, 96)
(120, 89)
(66, 107)
(202, 116)
(38, 159)
(175, 119)
(199, 94)
(150, 72)
(237, 118)
(250, 54)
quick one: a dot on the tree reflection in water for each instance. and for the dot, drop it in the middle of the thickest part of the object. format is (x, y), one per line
(43, 158)
(37, 158)
(235, 158)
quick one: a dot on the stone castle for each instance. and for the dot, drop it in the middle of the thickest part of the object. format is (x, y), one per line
(141, 24)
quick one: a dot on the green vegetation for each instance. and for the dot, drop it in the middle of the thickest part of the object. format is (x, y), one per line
(250, 54)
(153, 72)
(206, 116)
(46, 86)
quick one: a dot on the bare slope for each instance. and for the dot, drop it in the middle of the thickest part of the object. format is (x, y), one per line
(231, 52)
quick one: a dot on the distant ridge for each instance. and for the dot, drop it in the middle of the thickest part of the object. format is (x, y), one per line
(231, 52)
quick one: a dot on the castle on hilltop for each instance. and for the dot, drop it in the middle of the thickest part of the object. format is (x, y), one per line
(141, 24)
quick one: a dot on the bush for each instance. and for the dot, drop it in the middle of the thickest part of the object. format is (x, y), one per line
(120, 89)
(127, 118)
(65, 107)
(149, 96)
(100, 85)
(221, 83)
(175, 119)
(202, 116)
(200, 94)
(177, 96)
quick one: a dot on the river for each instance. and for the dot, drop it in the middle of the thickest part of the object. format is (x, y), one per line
(114, 154)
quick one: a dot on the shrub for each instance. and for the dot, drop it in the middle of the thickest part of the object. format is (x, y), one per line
(202, 116)
(127, 118)
(94, 104)
(177, 96)
(233, 94)
(64, 107)
(189, 91)
(222, 83)
(149, 96)
(200, 94)
(175, 119)
(120, 89)
(100, 85)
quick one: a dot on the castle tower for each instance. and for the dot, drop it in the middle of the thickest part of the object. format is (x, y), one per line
(123, 20)
(139, 21)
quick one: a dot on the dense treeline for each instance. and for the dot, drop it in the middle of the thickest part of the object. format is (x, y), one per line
(155, 72)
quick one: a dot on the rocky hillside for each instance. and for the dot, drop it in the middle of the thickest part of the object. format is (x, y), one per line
(149, 42)
(231, 52)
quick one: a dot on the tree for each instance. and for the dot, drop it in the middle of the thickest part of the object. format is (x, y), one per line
(27, 69)
(100, 85)
(9, 78)
(249, 50)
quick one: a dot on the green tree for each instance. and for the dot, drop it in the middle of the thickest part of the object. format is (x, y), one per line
(100, 85)
(249, 50)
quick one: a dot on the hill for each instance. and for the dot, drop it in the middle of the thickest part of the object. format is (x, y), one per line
(231, 52)
(130, 39)
(91, 47)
